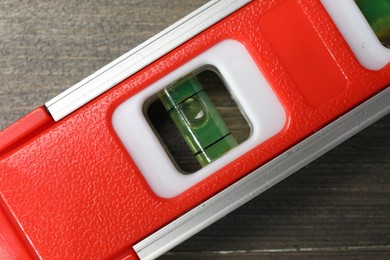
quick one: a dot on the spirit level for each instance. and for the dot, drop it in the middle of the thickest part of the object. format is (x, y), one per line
(296, 73)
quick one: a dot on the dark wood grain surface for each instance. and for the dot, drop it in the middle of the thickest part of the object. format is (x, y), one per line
(337, 207)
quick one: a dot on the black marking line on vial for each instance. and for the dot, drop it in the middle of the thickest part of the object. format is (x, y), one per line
(208, 146)
(175, 106)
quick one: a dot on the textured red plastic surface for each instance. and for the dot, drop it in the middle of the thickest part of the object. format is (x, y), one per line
(75, 191)
(11, 246)
(24, 129)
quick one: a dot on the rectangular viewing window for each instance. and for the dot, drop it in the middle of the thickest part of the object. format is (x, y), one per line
(196, 120)
(377, 13)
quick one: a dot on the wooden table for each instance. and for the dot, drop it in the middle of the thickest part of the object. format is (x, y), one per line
(337, 207)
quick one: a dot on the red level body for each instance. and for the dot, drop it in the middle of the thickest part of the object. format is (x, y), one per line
(70, 189)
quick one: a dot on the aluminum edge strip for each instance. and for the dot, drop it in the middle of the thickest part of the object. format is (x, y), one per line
(265, 177)
(143, 55)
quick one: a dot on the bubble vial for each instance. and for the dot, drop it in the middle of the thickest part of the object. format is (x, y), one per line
(197, 119)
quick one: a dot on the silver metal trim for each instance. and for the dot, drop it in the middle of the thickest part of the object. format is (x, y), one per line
(143, 55)
(265, 177)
